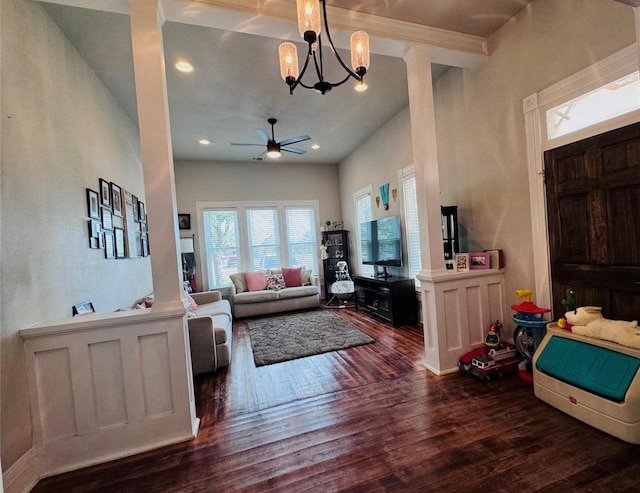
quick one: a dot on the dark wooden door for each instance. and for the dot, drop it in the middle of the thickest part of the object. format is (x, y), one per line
(593, 206)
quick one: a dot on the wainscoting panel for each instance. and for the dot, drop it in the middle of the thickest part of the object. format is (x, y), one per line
(104, 386)
(457, 310)
(156, 374)
(108, 384)
(53, 377)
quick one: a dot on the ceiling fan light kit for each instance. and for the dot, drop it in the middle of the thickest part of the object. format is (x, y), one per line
(310, 25)
(274, 149)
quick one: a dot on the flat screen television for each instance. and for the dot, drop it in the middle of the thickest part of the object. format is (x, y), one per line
(381, 242)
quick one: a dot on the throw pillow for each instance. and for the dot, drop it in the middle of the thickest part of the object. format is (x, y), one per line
(239, 282)
(305, 277)
(276, 282)
(291, 276)
(256, 281)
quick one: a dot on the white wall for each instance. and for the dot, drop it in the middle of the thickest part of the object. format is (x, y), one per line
(61, 132)
(480, 124)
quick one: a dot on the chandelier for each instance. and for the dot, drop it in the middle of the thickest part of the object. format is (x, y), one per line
(309, 25)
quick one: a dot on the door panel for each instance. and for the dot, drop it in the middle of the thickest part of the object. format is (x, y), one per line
(593, 206)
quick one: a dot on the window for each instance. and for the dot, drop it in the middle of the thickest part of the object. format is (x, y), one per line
(609, 101)
(364, 213)
(411, 224)
(221, 242)
(264, 238)
(255, 236)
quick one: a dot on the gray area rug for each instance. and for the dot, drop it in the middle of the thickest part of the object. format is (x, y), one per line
(287, 337)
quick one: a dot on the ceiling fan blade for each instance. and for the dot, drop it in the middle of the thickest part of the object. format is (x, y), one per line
(292, 149)
(245, 144)
(295, 140)
(263, 135)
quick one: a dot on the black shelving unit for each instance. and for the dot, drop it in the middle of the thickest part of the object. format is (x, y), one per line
(392, 298)
(337, 243)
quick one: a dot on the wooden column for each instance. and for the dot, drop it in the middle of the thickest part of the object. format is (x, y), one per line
(157, 154)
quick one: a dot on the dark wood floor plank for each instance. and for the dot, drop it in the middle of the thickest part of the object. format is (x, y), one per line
(368, 419)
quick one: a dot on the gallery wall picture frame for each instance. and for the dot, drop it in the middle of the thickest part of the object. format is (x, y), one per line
(95, 228)
(105, 193)
(118, 234)
(479, 260)
(107, 219)
(184, 221)
(93, 204)
(136, 208)
(109, 245)
(462, 262)
(141, 213)
(116, 199)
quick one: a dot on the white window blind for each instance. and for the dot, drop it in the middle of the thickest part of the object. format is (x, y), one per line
(412, 226)
(301, 236)
(221, 242)
(264, 238)
(364, 213)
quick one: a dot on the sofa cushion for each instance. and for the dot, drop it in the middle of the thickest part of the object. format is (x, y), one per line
(276, 282)
(239, 282)
(221, 307)
(291, 276)
(256, 281)
(297, 292)
(305, 277)
(256, 296)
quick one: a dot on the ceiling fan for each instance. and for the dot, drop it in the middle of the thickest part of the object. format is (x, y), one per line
(274, 149)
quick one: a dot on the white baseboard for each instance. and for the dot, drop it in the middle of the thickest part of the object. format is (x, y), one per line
(23, 475)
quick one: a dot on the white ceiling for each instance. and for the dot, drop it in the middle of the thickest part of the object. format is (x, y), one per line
(236, 84)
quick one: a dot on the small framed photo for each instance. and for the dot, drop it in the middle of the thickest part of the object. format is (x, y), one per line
(107, 219)
(119, 240)
(83, 308)
(145, 245)
(337, 226)
(109, 245)
(116, 199)
(141, 213)
(93, 206)
(105, 193)
(184, 221)
(462, 262)
(478, 261)
(136, 208)
(95, 228)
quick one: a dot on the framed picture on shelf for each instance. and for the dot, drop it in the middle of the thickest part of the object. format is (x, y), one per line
(337, 225)
(93, 206)
(116, 199)
(83, 308)
(478, 261)
(184, 221)
(119, 240)
(462, 262)
(105, 193)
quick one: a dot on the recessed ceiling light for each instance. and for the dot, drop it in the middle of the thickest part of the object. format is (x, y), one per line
(204, 142)
(315, 146)
(184, 66)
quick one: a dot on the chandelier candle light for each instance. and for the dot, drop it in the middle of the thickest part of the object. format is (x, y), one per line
(309, 25)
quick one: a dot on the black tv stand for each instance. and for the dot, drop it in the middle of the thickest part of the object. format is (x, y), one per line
(393, 298)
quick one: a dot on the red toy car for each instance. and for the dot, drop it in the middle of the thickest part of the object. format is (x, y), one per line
(495, 362)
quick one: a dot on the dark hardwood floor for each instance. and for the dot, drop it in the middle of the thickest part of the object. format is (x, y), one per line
(368, 419)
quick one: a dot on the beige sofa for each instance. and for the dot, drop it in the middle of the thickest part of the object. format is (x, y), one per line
(210, 332)
(247, 303)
